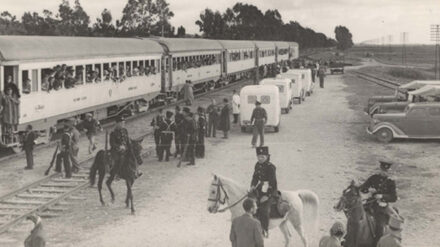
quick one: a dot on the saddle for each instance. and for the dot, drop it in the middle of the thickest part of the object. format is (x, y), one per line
(279, 207)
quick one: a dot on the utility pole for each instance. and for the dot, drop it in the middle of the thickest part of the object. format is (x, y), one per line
(404, 39)
(390, 40)
(435, 37)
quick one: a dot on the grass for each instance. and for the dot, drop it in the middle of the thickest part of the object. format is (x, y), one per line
(408, 73)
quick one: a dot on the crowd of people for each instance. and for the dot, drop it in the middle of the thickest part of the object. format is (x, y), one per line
(194, 62)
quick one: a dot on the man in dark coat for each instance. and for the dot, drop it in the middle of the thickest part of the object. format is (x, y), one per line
(189, 136)
(225, 122)
(65, 151)
(258, 120)
(213, 116)
(264, 186)
(37, 238)
(384, 192)
(245, 229)
(28, 146)
(91, 125)
(167, 129)
(156, 133)
(201, 131)
(321, 75)
(178, 119)
(75, 137)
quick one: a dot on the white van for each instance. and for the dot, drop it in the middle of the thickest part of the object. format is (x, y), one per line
(269, 97)
(298, 90)
(285, 89)
(306, 77)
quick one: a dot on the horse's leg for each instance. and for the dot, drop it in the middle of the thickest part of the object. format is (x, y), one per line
(109, 182)
(284, 227)
(296, 220)
(127, 197)
(100, 181)
(131, 195)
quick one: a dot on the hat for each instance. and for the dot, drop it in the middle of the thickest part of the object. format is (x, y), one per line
(120, 119)
(337, 227)
(262, 150)
(186, 109)
(385, 165)
(88, 114)
(257, 102)
(169, 114)
(396, 222)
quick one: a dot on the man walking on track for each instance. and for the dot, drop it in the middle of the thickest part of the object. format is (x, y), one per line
(65, 154)
(258, 120)
(246, 230)
(213, 116)
(75, 135)
(91, 125)
(28, 147)
(167, 129)
(235, 106)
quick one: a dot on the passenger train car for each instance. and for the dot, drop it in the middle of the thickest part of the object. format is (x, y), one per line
(64, 77)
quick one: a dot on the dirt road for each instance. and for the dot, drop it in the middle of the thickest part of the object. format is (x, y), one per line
(321, 146)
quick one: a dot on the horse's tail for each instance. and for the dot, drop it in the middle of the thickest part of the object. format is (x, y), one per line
(311, 205)
(95, 166)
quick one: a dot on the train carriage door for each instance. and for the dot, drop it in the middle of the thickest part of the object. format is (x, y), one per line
(276, 54)
(224, 62)
(165, 62)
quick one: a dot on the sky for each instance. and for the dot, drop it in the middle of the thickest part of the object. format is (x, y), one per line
(366, 19)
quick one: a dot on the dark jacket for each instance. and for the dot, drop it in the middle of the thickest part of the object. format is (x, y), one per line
(29, 140)
(265, 172)
(246, 232)
(189, 129)
(118, 138)
(37, 237)
(383, 185)
(225, 122)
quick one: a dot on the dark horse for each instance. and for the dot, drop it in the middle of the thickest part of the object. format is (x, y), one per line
(103, 162)
(360, 225)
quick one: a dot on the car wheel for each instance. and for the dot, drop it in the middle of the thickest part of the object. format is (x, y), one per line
(384, 135)
(243, 129)
(287, 110)
(299, 100)
(276, 128)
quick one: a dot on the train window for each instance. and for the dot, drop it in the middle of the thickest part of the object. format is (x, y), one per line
(26, 82)
(97, 71)
(45, 75)
(157, 67)
(106, 72)
(128, 68)
(121, 69)
(174, 64)
(89, 73)
(252, 99)
(79, 75)
(141, 67)
(135, 68)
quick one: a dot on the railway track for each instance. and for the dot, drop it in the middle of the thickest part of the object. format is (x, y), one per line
(109, 125)
(379, 81)
(47, 196)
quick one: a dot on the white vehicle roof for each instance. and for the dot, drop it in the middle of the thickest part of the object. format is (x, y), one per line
(273, 81)
(257, 89)
(427, 90)
(419, 84)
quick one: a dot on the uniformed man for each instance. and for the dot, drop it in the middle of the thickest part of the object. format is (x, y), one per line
(189, 135)
(156, 133)
(384, 192)
(264, 186)
(167, 129)
(178, 119)
(65, 151)
(119, 144)
(258, 120)
(201, 131)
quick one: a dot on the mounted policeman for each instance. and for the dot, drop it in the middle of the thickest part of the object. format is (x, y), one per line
(383, 192)
(264, 187)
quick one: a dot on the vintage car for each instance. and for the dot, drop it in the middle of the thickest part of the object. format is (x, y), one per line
(418, 120)
(285, 90)
(269, 97)
(428, 93)
(400, 95)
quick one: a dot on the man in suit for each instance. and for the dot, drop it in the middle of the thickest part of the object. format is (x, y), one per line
(394, 236)
(28, 147)
(246, 230)
(37, 237)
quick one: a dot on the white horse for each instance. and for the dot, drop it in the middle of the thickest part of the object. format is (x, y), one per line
(225, 191)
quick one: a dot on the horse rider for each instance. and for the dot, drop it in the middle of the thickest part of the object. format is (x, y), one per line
(384, 192)
(264, 187)
(119, 144)
(167, 128)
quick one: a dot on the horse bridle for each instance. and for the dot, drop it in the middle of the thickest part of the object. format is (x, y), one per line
(218, 198)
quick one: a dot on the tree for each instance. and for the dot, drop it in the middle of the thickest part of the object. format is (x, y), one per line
(343, 37)
(181, 32)
(164, 14)
(9, 24)
(72, 21)
(103, 25)
(34, 24)
(211, 24)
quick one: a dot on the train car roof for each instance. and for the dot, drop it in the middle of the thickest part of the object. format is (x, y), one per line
(264, 44)
(293, 44)
(282, 44)
(175, 45)
(237, 44)
(46, 48)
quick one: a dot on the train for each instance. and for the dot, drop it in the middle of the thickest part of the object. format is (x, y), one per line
(60, 78)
